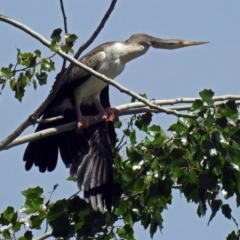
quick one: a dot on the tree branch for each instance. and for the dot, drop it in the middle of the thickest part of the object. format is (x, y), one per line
(97, 31)
(65, 30)
(64, 16)
(44, 236)
(123, 111)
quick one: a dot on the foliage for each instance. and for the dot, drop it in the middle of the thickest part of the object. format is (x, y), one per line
(34, 67)
(199, 158)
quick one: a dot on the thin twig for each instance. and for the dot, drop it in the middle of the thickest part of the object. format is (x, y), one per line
(97, 31)
(64, 16)
(65, 30)
(49, 119)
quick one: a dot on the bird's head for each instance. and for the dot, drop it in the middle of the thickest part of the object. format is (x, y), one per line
(160, 43)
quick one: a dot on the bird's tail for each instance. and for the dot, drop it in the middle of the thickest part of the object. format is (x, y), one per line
(43, 152)
(94, 174)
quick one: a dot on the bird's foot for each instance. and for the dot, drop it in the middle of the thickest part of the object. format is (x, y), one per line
(109, 114)
(84, 122)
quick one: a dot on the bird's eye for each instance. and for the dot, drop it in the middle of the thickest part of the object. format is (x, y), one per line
(181, 42)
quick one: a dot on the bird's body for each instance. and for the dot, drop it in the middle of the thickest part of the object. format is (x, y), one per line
(89, 154)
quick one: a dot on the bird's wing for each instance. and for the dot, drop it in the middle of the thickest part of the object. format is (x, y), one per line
(43, 152)
(88, 154)
(76, 78)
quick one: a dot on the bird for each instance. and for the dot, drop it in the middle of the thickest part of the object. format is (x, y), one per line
(87, 151)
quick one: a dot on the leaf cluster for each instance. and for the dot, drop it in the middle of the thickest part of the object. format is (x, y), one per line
(31, 68)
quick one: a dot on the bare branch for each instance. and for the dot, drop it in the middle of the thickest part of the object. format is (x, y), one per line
(49, 119)
(64, 16)
(137, 108)
(65, 30)
(41, 134)
(44, 236)
(97, 31)
(178, 100)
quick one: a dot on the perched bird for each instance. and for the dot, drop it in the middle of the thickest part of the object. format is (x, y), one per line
(88, 150)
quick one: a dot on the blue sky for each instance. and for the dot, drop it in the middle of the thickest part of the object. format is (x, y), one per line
(161, 74)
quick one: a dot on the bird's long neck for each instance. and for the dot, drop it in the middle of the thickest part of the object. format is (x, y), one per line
(130, 51)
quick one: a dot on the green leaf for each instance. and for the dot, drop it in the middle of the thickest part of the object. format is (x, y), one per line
(117, 123)
(42, 78)
(74, 179)
(232, 236)
(143, 121)
(37, 53)
(28, 235)
(56, 35)
(5, 72)
(121, 209)
(32, 192)
(55, 186)
(19, 94)
(215, 206)
(57, 209)
(206, 96)
(61, 227)
(54, 46)
(34, 200)
(226, 211)
(8, 213)
(127, 218)
(126, 232)
(153, 130)
(17, 226)
(34, 84)
(6, 234)
(193, 176)
(35, 221)
(202, 208)
(71, 37)
(47, 65)
(197, 105)
(144, 95)
(207, 181)
(131, 134)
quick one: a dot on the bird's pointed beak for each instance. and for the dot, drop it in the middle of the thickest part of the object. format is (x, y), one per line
(187, 44)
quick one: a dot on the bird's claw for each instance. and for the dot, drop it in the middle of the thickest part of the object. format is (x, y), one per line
(84, 122)
(110, 114)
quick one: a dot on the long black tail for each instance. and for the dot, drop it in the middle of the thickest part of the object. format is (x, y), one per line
(43, 153)
(94, 174)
